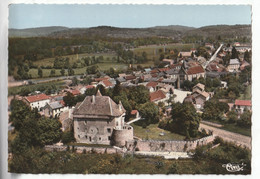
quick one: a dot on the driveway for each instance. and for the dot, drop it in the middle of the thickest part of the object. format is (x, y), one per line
(229, 136)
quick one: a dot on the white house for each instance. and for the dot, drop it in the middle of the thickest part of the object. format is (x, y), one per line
(37, 101)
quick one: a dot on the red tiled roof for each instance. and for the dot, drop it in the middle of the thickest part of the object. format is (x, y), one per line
(35, 98)
(75, 92)
(157, 95)
(163, 69)
(130, 77)
(174, 65)
(243, 103)
(154, 71)
(154, 75)
(195, 70)
(90, 86)
(133, 112)
(107, 83)
(152, 84)
(101, 79)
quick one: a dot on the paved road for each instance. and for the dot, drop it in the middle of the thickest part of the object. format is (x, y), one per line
(229, 136)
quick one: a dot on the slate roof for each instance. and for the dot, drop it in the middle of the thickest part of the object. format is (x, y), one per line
(55, 105)
(234, 61)
(98, 107)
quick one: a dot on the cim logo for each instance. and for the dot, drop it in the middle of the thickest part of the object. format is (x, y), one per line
(234, 167)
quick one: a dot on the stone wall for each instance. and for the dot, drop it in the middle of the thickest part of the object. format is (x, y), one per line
(167, 146)
(81, 149)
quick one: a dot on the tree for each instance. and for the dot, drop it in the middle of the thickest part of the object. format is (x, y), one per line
(70, 71)
(232, 116)
(52, 73)
(185, 119)
(40, 72)
(234, 53)
(69, 99)
(75, 81)
(150, 112)
(245, 119)
(62, 71)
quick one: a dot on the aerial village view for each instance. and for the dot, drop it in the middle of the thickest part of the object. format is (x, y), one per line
(112, 99)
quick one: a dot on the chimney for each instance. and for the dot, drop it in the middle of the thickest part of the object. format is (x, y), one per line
(93, 99)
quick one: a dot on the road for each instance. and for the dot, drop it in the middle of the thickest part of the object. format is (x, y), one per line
(229, 136)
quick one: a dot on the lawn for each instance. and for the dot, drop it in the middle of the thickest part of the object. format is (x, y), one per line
(34, 87)
(236, 129)
(248, 93)
(152, 132)
(74, 58)
(153, 50)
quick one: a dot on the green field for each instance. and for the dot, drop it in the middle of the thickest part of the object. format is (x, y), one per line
(152, 132)
(153, 50)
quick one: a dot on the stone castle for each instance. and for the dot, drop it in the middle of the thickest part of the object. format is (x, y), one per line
(99, 120)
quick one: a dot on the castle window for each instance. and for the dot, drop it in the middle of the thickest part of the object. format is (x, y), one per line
(99, 138)
(86, 136)
(90, 139)
(109, 130)
(116, 123)
(79, 136)
(109, 137)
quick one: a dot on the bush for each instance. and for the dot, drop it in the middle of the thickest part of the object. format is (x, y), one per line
(67, 137)
(218, 140)
(173, 169)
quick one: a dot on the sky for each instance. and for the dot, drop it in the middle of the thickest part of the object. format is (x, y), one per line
(133, 16)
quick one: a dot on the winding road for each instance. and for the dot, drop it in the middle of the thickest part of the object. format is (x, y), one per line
(229, 136)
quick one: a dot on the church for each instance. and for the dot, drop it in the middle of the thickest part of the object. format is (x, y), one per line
(99, 120)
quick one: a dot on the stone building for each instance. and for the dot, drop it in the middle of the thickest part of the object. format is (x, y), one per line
(99, 120)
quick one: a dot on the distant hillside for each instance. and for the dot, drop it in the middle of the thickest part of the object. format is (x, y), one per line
(173, 31)
(35, 32)
(222, 30)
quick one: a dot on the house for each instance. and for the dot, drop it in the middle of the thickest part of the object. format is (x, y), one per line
(135, 113)
(84, 88)
(37, 101)
(99, 120)
(244, 64)
(233, 65)
(106, 84)
(158, 96)
(198, 96)
(54, 109)
(66, 119)
(168, 61)
(191, 72)
(185, 54)
(151, 86)
(241, 105)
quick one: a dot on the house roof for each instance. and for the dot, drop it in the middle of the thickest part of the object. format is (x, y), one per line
(185, 54)
(152, 84)
(35, 98)
(107, 83)
(234, 61)
(201, 86)
(101, 79)
(157, 95)
(55, 105)
(195, 70)
(75, 92)
(133, 112)
(243, 103)
(90, 86)
(130, 77)
(98, 107)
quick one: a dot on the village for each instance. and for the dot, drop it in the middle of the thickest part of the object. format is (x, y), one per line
(98, 122)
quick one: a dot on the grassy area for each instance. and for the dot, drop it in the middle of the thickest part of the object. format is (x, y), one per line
(152, 132)
(248, 94)
(236, 129)
(232, 128)
(34, 87)
(73, 58)
(153, 50)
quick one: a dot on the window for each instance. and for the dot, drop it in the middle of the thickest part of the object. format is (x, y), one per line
(109, 137)
(99, 138)
(116, 123)
(86, 136)
(109, 130)
(90, 139)
(79, 136)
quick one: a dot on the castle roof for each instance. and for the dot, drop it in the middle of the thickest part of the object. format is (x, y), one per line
(98, 107)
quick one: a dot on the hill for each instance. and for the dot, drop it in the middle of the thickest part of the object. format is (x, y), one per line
(35, 32)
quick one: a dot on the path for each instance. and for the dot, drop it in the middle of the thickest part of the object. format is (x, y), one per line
(134, 120)
(229, 136)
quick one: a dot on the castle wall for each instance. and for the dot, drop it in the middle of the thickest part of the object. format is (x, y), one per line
(167, 146)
